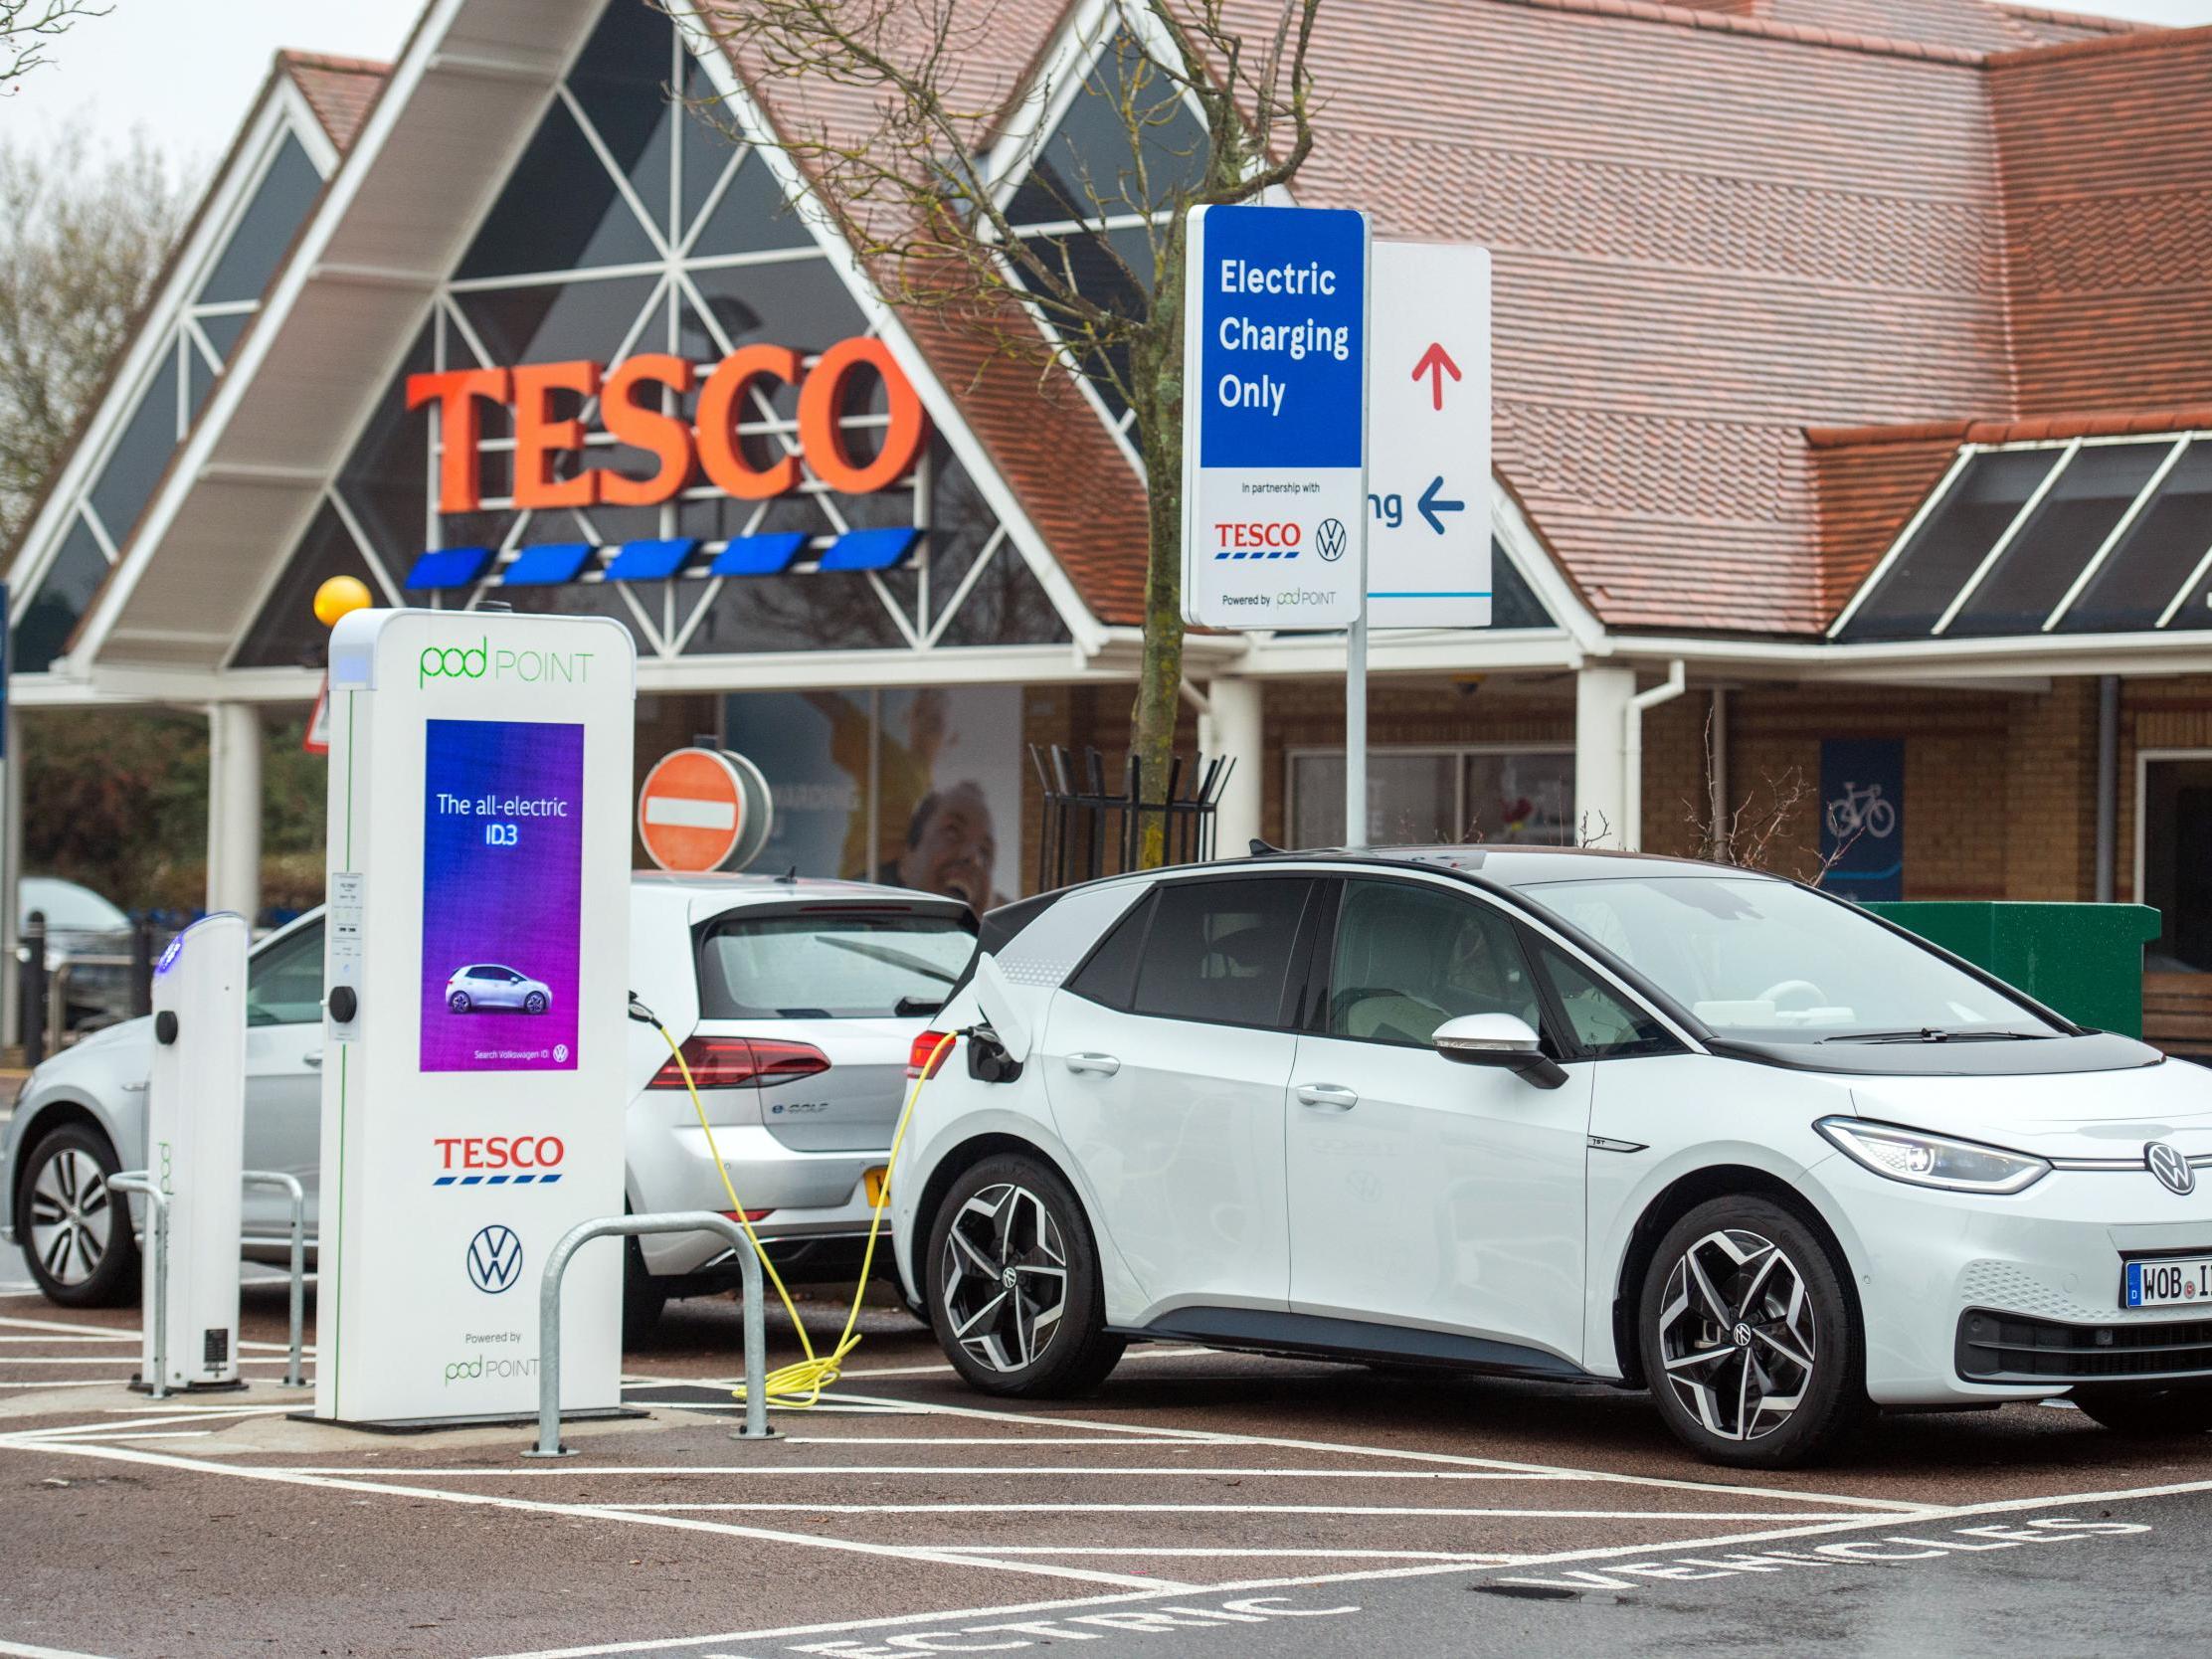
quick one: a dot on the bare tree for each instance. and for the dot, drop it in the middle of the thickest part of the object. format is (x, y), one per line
(1762, 828)
(83, 236)
(893, 132)
(29, 27)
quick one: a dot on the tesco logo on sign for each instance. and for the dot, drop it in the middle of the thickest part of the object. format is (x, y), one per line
(499, 1160)
(1260, 536)
(630, 394)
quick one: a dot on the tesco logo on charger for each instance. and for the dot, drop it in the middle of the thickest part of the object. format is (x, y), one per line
(499, 1160)
(1260, 535)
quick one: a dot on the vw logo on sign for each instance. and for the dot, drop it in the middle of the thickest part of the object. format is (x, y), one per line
(495, 1259)
(1329, 540)
(2171, 1169)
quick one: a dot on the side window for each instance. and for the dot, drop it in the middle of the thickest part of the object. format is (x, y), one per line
(1110, 975)
(1409, 957)
(1604, 1024)
(284, 983)
(1219, 951)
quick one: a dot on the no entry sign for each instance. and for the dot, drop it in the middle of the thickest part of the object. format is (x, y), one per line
(699, 807)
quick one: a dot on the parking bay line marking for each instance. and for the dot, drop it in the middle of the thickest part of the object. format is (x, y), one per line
(1394, 1510)
(1893, 1505)
(25, 1650)
(586, 1512)
(1865, 1523)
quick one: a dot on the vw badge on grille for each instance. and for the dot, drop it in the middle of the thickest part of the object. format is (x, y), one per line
(2171, 1169)
(1329, 540)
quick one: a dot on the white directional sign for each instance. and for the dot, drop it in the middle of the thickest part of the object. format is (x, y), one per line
(1275, 321)
(1429, 442)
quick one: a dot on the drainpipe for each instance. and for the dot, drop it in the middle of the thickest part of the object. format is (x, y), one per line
(1717, 771)
(2108, 783)
(1632, 751)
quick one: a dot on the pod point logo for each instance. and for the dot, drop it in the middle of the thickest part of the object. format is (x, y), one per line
(495, 1259)
(480, 662)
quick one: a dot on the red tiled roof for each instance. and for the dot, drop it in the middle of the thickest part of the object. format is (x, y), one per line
(338, 90)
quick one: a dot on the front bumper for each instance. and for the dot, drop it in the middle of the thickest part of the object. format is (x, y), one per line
(2049, 1257)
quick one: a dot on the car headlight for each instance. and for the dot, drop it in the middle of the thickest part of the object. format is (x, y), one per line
(1923, 1160)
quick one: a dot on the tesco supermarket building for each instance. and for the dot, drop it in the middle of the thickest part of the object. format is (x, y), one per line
(1854, 435)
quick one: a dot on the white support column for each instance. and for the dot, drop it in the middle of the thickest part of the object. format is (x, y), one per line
(233, 855)
(1233, 726)
(1602, 698)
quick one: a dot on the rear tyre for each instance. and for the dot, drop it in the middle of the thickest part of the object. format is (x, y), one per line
(1013, 1288)
(459, 1002)
(2148, 1413)
(75, 1233)
(1749, 1339)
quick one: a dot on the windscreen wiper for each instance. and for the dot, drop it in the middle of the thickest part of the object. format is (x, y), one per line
(897, 959)
(1937, 1033)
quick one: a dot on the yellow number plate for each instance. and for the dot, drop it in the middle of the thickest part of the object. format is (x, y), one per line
(875, 1181)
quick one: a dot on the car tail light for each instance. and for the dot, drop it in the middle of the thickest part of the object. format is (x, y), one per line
(919, 1058)
(749, 1215)
(734, 1062)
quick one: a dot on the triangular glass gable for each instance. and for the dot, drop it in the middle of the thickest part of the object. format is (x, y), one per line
(67, 588)
(285, 634)
(559, 212)
(752, 216)
(621, 83)
(1513, 603)
(1089, 166)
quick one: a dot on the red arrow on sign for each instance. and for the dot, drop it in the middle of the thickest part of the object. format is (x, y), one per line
(1436, 361)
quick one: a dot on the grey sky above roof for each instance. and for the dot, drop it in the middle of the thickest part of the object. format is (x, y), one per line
(160, 63)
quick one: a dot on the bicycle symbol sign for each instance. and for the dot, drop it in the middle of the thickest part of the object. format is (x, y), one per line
(1861, 811)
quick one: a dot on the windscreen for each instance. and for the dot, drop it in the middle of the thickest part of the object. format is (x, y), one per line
(833, 965)
(1764, 961)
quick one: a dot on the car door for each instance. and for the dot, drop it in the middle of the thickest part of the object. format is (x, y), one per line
(1166, 1060)
(1425, 1191)
(283, 1061)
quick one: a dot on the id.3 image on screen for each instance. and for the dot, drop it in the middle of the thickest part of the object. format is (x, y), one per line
(502, 895)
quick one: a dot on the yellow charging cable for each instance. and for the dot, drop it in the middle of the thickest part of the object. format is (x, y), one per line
(796, 1386)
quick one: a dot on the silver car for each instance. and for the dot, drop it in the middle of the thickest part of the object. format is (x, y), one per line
(797, 1004)
(489, 984)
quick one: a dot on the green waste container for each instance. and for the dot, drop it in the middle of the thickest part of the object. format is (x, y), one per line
(2085, 960)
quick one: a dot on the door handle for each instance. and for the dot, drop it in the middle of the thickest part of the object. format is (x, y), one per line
(1104, 1064)
(1333, 1095)
(313, 1057)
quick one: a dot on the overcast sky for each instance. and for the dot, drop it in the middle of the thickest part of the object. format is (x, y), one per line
(188, 71)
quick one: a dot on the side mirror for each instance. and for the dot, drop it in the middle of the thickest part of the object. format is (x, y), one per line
(1498, 1040)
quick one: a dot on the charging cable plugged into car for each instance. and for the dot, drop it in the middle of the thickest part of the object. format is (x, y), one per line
(801, 1384)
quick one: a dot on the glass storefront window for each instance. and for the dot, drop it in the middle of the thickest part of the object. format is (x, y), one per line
(2175, 813)
(1421, 797)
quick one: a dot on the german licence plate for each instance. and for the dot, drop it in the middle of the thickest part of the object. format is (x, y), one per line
(876, 1178)
(2174, 1281)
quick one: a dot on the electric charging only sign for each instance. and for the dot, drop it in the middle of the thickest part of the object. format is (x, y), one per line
(1275, 489)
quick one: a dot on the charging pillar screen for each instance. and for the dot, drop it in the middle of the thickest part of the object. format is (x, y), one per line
(195, 1145)
(476, 978)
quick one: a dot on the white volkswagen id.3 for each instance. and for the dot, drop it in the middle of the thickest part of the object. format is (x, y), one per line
(1555, 1114)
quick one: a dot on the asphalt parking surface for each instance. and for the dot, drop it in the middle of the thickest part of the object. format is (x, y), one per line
(1199, 1502)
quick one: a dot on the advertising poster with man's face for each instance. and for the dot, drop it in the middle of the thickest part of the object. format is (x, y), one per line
(502, 895)
(916, 789)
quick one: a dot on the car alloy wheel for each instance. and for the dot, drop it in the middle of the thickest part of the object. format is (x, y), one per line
(1737, 1334)
(1004, 1277)
(534, 1003)
(72, 1217)
(459, 1002)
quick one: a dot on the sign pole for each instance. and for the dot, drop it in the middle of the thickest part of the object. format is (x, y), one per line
(1356, 635)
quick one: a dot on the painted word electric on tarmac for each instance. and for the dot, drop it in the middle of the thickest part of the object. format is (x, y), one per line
(1296, 340)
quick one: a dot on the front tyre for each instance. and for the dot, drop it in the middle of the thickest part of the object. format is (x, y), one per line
(1013, 1288)
(1748, 1337)
(534, 1003)
(2148, 1413)
(75, 1233)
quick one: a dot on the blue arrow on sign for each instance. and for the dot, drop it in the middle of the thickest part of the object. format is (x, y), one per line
(1430, 507)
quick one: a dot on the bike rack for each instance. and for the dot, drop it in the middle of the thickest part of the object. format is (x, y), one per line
(626, 1227)
(295, 1376)
(158, 1239)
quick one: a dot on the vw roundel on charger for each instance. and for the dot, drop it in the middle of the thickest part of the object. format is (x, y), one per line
(1555, 1114)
